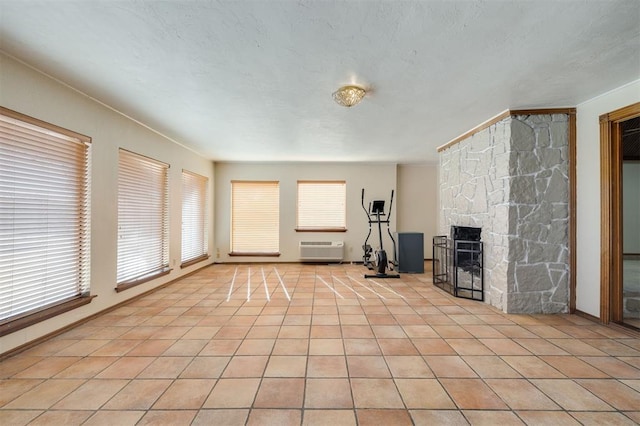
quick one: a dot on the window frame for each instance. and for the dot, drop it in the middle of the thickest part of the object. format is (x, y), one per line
(257, 252)
(320, 228)
(82, 216)
(201, 184)
(163, 266)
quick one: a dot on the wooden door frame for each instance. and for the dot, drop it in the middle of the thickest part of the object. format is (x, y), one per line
(611, 212)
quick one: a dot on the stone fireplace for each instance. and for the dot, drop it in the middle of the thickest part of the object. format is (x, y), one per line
(511, 178)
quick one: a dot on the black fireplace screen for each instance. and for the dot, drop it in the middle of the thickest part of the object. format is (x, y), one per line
(458, 263)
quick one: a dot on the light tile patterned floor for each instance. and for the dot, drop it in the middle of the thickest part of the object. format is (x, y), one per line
(319, 345)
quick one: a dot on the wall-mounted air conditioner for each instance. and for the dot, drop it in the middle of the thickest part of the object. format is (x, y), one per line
(321, 251)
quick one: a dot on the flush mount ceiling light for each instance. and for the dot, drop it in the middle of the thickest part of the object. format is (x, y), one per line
(349, 96)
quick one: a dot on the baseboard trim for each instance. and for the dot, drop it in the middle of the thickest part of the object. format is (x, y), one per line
(588, 316)
(631, 331)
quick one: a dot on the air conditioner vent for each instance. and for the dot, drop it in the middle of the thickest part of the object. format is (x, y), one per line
(321, 251)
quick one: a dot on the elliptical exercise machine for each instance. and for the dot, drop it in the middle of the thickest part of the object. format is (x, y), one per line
(380, 262)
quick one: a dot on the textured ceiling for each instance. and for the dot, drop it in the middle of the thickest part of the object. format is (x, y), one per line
(252, 80)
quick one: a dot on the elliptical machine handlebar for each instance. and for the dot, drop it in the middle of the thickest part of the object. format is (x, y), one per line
(363, 207)
(390, 206)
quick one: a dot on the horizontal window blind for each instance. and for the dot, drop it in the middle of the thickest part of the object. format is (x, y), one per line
(194, 216)
(255, 217)
(322, 205)
(44, 216)
(143, 217)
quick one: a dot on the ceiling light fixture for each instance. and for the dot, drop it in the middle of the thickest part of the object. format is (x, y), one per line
(349, 96)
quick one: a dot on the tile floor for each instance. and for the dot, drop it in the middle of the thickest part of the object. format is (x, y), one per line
(631, 289)
(319, 345)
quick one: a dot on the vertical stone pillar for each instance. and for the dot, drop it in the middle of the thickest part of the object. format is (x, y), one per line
(511, 179)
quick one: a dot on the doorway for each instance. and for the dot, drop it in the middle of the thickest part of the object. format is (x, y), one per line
(620, 230)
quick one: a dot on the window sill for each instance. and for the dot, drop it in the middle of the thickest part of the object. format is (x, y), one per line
(254, 254)
(12, 325)
(321, 229)
(194, 261)
(125, 285)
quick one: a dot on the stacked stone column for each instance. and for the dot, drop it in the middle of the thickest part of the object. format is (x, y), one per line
(511, 179)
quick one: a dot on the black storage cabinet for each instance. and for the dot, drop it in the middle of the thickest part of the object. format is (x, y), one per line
(410, 252)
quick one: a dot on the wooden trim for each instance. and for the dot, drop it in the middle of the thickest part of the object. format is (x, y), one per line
(573, 208)
(543, 111)
(631, 331)
(321, 229)
(616, 232)
(626, 329)
(587, 316)
(611, 212)
(270, 262)
(255, 181)
(198, 175)
(34, 121)
(12, 325)
(126, 285)
(194, 260)
(475, 130)
(502, 116)
(145, 157)
(322, 181)
(605, 220)
(254, 254)
(623, 114)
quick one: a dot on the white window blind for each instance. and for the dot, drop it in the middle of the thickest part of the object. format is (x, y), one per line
(44, 216)
(143, 219)
(322, 205)
(194, 216)
(255, 217)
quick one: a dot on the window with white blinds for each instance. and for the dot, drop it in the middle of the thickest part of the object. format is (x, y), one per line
(44, 220)
(322, 206)
(143, 219)
(194, 217)
(255, 218)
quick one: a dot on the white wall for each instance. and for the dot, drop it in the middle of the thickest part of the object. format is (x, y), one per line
(377, 179)
(418, 201)
(588, 191)
(631, 207)
(29, 92)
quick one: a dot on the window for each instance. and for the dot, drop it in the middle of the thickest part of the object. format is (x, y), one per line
(195, 236)
(44, 226)
(143, 219)
(255, 218)
(322, 206)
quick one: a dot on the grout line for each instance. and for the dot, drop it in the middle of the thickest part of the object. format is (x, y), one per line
(329, 287)
(266, 289)
(282, 284)
(371, 290)
(249, 285)
(357, 294)
(380, 285)
(232, 282)
(176, 297)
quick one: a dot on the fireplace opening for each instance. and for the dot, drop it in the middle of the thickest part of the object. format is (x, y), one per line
(465, 248)
(458, 262)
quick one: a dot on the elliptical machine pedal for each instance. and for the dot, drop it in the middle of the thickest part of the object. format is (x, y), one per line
(368, 250)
